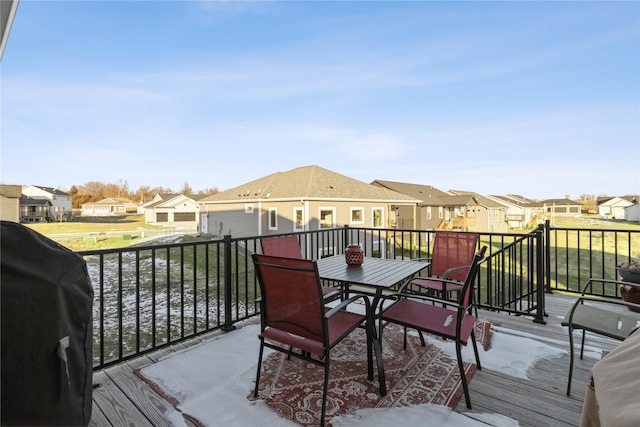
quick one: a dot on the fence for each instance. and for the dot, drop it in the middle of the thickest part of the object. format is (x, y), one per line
(149, 297)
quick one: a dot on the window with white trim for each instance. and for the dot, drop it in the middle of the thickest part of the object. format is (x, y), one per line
(440, 212)
(273, 218)
(298, 219)
(428, 212)
(357, 216)
(327, 217)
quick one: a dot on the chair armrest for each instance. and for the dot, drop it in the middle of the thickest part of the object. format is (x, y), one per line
(607, 281)
(601, 300)
(439, 301)
(452, 269)
(606, 300)
(444, 282)
(348, 301)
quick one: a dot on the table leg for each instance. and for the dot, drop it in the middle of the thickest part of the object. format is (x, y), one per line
(377, 343)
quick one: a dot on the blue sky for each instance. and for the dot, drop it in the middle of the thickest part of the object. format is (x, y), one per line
(540, 99)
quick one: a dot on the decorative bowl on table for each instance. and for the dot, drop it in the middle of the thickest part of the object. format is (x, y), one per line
(354, 255)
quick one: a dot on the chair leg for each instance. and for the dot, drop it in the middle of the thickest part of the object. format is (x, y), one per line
(324, 391)
(463, 377)
(404, 346)
(255, 390)
(475, 350)
(570, 360)
(582, 344)
(369, 328)
(377, 345)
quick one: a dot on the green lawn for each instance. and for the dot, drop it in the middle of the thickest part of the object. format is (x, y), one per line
(93, 224)
(88, 233)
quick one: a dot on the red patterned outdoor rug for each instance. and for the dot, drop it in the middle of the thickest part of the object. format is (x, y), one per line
(417, 375)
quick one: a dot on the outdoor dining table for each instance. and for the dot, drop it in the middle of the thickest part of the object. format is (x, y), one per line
(380, 275)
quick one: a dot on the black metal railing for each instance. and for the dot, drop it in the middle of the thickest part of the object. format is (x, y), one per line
(574, 255)
(510, 279)
(148, 297)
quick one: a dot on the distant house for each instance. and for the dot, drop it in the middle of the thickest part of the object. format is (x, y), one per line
(302, 199)
(521, 212)
(432, 213)
(35, 210)
(615, 207)
(475, 212)
(157, 198)
(10, 202)
(172, 209)
(451, 210)
(61, 203)
(632, 213)
(109, 206)
(561, 208)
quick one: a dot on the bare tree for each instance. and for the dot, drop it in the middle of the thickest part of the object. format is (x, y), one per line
(93, 188)
(161, 190)
(123, 188)
(209, 191)
(111, 190)
(144, 193)
(186, 189)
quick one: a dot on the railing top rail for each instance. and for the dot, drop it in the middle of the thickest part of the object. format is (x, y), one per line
(149, 247)
(599, 230)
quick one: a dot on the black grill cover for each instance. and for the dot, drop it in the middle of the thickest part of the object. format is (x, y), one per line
(46, 348)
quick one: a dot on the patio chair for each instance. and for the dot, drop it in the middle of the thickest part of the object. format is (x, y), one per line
(450, 260)
(600, 315)
(293, 316)
(282, 246)
(289, 247)
(446, 319)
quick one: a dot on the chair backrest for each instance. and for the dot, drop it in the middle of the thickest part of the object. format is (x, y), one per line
(283, 246)
(291, 295)
(453, 249)
(466, 294)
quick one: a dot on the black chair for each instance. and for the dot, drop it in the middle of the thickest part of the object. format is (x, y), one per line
(599, 316)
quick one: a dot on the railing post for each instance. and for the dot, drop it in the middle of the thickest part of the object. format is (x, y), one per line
(547, 256)
(345, 235)
(228, 321)
(540, 287)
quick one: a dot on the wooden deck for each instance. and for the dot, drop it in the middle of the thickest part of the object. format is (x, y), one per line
(122, 399)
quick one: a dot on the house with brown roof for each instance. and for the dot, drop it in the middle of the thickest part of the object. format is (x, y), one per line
(561, 208)
(109, 206)
(450, 210)
(302, 199)
(434, 212)
(475, 212)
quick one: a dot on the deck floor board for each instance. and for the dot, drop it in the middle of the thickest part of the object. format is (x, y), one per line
(124, 399)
